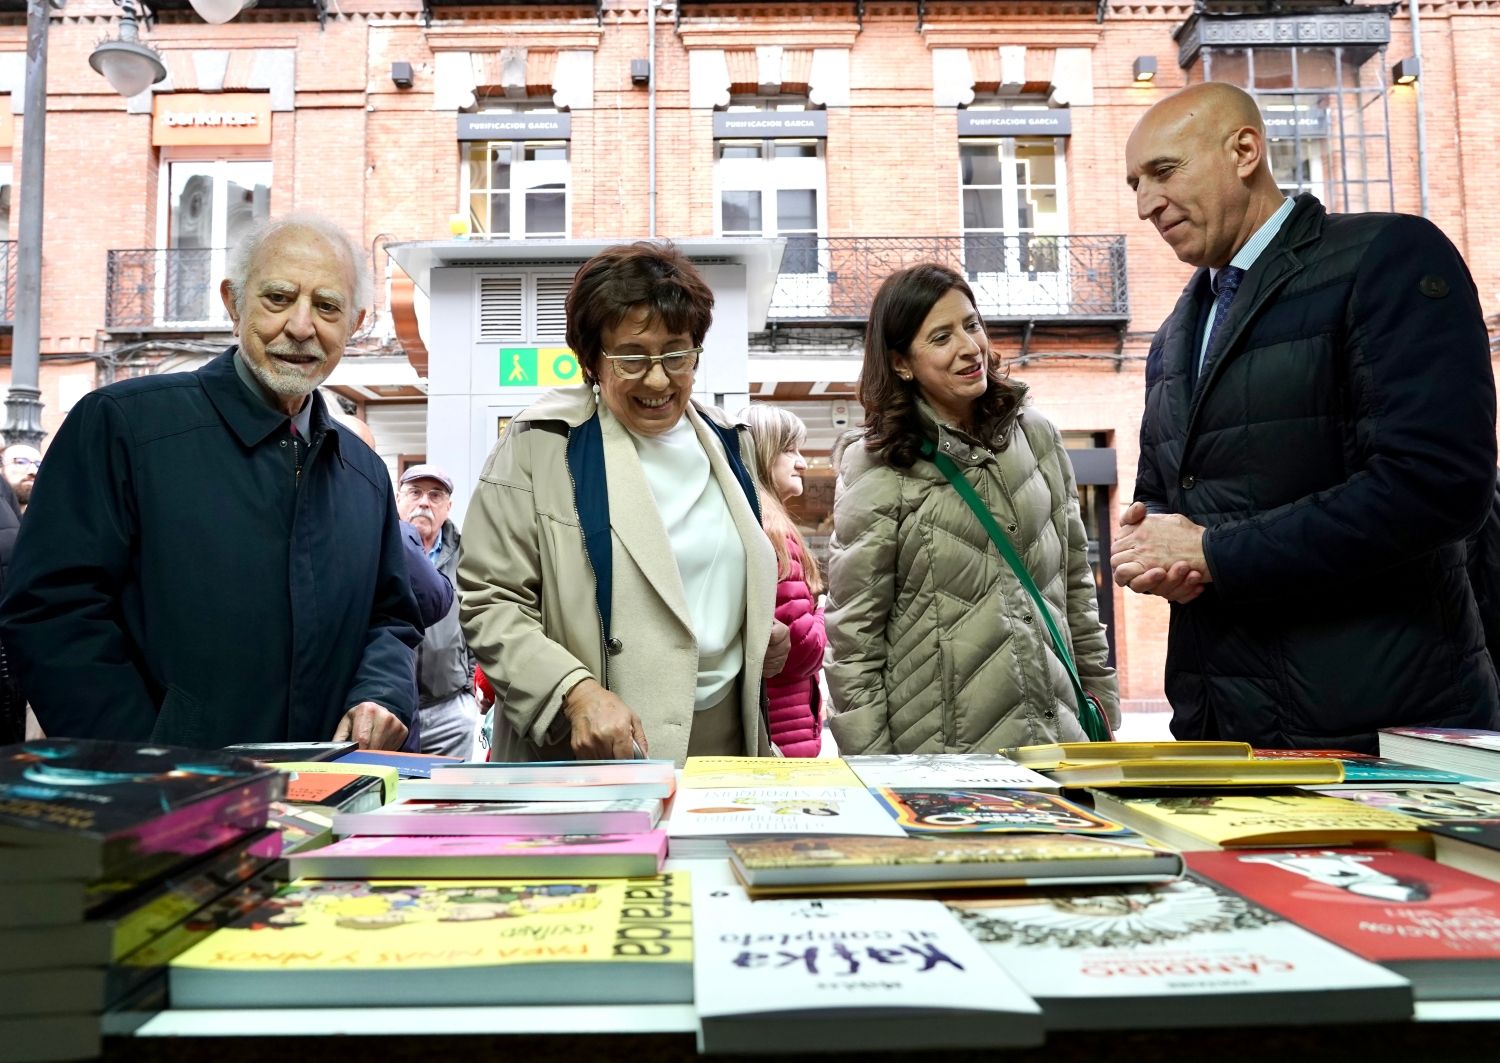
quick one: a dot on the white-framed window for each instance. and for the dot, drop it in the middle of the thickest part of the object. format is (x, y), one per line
(209, 204)
(516, 189)
(1013, 203)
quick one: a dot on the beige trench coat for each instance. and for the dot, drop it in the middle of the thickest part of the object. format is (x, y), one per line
(526, 588)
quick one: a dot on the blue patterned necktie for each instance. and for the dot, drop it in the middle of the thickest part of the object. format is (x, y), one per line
(1225, 285)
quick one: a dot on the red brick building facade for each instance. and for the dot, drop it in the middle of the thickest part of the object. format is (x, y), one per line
(868, 134)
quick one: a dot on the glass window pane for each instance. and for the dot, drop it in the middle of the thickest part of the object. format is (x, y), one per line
(793, 150)
(1273, 68)
(984, 208)
(190, 222)
(547, 152)
(477, 165)
(801, 254)
(1230, 65)
(1038, 161)
(796, 208)
(980, 163)
(1315, 68)
(546, 213)
(500, 166)
(735, 149)
(740, 212)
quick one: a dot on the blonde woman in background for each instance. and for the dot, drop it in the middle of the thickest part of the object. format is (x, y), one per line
(795, 719)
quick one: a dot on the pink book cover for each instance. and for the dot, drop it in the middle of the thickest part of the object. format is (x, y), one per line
(482, 845)
(1382, 905)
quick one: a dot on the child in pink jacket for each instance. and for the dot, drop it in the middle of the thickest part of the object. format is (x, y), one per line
(796, 722)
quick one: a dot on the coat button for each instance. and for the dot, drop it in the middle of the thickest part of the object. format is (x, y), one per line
(1026, 619)
(1011, 526)
(1187, 483)
(613, 646)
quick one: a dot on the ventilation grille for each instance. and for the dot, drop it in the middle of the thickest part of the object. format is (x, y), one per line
(501, 309)
(551, 296)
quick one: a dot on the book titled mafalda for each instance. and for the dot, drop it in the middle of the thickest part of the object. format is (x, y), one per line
(400, 942)
(1181, 954)
(847, 975)
(969, 811)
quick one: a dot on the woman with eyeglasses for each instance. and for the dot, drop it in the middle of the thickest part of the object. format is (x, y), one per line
(615, 584)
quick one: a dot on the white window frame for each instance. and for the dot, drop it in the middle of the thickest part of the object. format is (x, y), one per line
(221, 167)
(526, 176)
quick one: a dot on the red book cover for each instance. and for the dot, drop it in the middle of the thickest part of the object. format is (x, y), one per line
(1383, 905)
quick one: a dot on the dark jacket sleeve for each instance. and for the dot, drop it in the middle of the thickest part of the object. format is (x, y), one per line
(433, 592)
(1148, 480)
(60, 617)
(387, 673)
(1423, 398)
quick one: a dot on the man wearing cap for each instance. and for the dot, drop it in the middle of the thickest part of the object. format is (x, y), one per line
(445, 667)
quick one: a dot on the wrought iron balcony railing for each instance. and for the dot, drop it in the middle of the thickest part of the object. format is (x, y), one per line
(833, 279)
(165, 288)
(7, 282)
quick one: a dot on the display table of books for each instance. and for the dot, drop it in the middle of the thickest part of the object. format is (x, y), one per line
(175, 905)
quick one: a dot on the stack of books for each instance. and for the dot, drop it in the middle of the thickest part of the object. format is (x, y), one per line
(109, 854)
(726, 799)
(567, 818)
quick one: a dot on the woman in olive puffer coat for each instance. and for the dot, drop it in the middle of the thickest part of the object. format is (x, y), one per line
(935, 643)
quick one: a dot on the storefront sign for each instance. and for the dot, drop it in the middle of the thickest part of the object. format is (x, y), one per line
(515, 126)
(1308, 122)
(538, 367)
(1015, 122)
(211, 118)
(771, 124)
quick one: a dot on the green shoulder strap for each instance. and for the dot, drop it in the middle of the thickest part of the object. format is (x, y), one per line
(1089, 714)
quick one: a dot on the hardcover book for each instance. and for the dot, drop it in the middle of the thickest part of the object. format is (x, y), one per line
(388, 777)
(1461, 749)
(1041, 758)
(472, 856)
(1178, 773)
(407, 765)
(280, 752)
(498, 818)
(449, 943)
(335, 790)
(1005, 811)
(703, 821)
(118, 814)
(1363, 769)
(847, 975)
(751, 773)
(1200, 821)
(1472, 845)
(947, 771)
(942, 861)
(1435, 925)
(1182, 954)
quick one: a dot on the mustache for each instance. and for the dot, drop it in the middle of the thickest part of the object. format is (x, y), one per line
(305, 349)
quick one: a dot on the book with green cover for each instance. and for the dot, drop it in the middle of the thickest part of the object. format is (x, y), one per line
(451, 942)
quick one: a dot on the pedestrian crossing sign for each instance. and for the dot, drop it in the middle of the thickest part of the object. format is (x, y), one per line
(538, 367)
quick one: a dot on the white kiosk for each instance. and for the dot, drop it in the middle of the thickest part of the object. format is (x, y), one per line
(495, 330)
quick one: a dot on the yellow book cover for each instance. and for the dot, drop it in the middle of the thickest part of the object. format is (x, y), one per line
(389, 780)
(744, 773)
(1202, 821)
(453, 941)
(1221, 772)
(1041, 758)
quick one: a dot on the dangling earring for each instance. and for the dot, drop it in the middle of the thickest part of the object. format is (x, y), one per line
(596, 393)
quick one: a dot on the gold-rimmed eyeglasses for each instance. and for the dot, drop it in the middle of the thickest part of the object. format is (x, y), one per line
(635, 366)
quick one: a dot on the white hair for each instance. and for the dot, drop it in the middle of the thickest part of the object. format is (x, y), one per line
(242, 255)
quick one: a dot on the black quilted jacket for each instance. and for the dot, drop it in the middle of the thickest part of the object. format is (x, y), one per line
(1339, 448)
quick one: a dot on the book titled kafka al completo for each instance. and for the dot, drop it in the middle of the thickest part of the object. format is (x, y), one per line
(847, 974)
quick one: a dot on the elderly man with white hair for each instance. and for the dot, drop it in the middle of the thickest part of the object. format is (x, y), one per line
(212, 558)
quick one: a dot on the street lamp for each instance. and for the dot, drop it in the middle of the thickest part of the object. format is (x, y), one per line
(129, 66)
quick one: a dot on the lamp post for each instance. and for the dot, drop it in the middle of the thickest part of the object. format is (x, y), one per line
(131, 68)
(23, 404)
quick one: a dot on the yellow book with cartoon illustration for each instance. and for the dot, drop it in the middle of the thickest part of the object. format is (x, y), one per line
(409, 942)
(748, 773)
